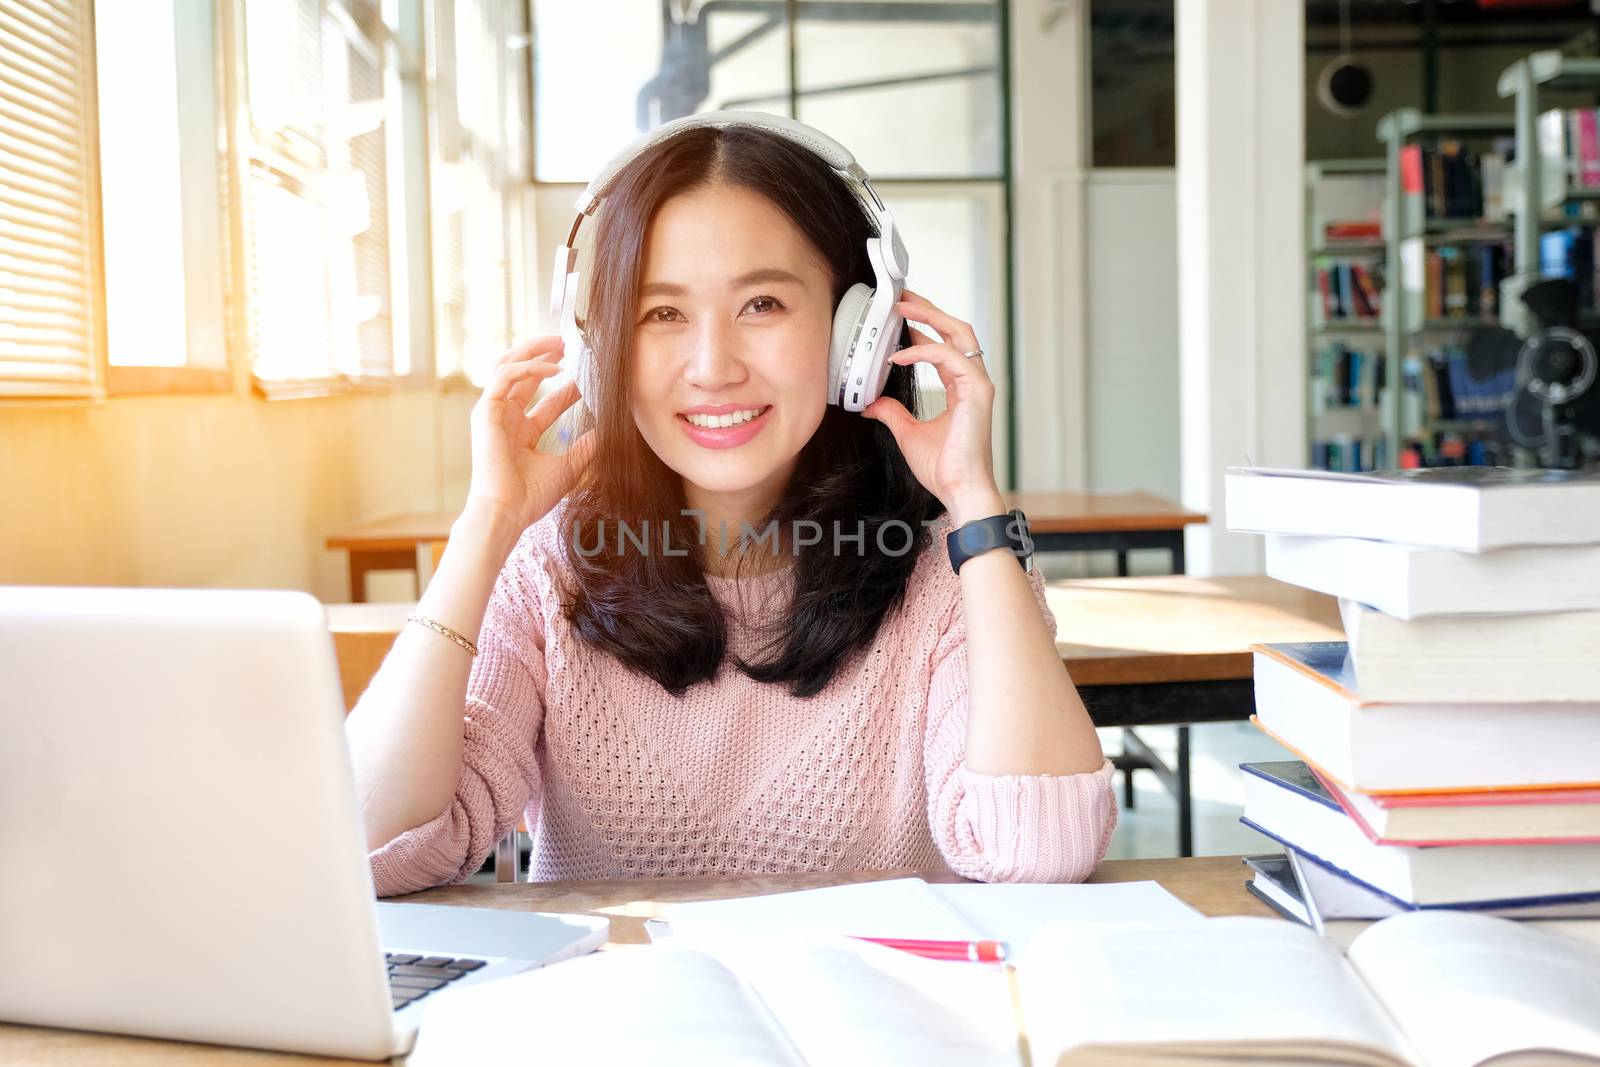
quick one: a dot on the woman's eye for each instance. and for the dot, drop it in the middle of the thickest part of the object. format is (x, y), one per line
(762, 304)
(662, 314)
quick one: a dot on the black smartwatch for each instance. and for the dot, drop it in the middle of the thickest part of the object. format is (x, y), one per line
(997, 531)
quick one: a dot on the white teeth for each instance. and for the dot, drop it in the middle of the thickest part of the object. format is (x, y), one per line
(718, 422)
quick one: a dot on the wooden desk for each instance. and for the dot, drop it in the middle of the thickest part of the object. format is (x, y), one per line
(398, 543)
(1119, 522)
(1061, 522)
(1151, 651)
(1212, 884)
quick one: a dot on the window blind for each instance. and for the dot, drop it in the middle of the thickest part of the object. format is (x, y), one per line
(49, 317)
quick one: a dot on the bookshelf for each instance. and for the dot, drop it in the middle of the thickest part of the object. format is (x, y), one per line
(1409, 233)
(1445, 271)
(1536, 192)
(1341, 191)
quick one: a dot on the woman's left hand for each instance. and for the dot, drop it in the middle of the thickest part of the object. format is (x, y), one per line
(951, 454)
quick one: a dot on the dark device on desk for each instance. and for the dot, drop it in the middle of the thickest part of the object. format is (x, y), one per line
(1555, 403)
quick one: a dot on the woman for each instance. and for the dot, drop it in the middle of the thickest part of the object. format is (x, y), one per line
(777, 668)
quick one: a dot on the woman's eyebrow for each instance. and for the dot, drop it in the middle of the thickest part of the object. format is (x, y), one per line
(762, 276)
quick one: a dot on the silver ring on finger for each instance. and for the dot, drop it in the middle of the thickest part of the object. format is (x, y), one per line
(976, 353)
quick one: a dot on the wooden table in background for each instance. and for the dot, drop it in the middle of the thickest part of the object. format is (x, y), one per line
(1118, 522)
(1060, 522)
(1214, 885)
(398, 543)
(1157, 651)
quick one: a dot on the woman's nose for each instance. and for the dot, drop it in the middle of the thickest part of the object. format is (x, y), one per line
(714, 362)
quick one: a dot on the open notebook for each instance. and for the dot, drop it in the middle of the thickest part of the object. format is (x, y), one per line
(912, 908)
(1426, 989)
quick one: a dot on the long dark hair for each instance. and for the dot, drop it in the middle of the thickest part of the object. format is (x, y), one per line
(653, 610)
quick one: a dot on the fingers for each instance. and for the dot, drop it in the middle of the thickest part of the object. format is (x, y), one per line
(550, 406)
(532, 348)
(890, 412)
(522, 394)
(951, 329)
(954, 368)
(509, 374)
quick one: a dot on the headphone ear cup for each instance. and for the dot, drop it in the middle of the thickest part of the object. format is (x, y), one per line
(587, 375)
(847, 318)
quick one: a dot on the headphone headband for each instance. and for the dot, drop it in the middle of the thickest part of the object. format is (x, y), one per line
(830, 151)
(835, 154)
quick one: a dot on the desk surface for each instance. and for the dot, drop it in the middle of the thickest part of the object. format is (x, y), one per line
(1047, 513)
(1138, 631)
(1100, 512)
(1212, 884)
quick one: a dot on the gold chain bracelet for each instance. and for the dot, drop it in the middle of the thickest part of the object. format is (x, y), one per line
(444, 631)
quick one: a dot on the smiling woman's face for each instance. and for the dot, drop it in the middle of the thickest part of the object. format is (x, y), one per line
(730, 356)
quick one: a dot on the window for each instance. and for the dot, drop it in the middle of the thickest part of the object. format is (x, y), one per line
(50, 318)
(924, 117)
(928, 106)
(160, 197)
(478, 62)
(318, 188)
(1133, 99)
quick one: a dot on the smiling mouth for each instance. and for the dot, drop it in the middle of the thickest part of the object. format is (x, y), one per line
(725, 420)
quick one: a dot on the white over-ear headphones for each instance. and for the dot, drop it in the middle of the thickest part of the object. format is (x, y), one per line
(866, 328)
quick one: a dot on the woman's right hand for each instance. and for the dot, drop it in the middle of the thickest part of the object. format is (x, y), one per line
(512, 481)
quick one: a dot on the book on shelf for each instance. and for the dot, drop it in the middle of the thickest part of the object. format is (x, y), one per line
(1203, 993)
(1445, 179)
(1463, 281)
(1557, 148)
(1307, 698)
(1411, 581)
(1588, 148)
(1344, 376)
(1353, 230)
(1509, 817)
(1288, 803)
(1340, 908)
(1533, 657)
(1348, 452)
(1570, 253)
(1349, 295)
(1469, 508)
(1569, 147)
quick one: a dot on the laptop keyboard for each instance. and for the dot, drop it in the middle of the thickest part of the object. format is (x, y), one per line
(413, 977)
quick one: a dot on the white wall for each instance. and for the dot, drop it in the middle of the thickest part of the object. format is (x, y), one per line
(1131, 248)
(1049, 76)
(1241, 151)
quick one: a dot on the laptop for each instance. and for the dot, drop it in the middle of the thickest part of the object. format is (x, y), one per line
(182, 848)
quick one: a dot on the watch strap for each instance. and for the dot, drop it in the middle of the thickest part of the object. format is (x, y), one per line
(1008, 531)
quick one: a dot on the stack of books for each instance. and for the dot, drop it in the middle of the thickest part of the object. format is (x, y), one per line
(1450, 746)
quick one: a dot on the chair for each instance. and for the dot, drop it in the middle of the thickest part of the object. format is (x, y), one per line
(362, 636)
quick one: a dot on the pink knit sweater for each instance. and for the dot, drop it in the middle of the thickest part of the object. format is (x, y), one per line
(618, 778)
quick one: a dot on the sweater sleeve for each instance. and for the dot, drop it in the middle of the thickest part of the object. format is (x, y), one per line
(499, 777)
(1005, 828)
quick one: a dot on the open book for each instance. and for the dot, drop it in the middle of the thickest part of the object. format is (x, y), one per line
(1426, 989)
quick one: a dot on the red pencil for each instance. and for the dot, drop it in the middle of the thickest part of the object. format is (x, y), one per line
(966, 951)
